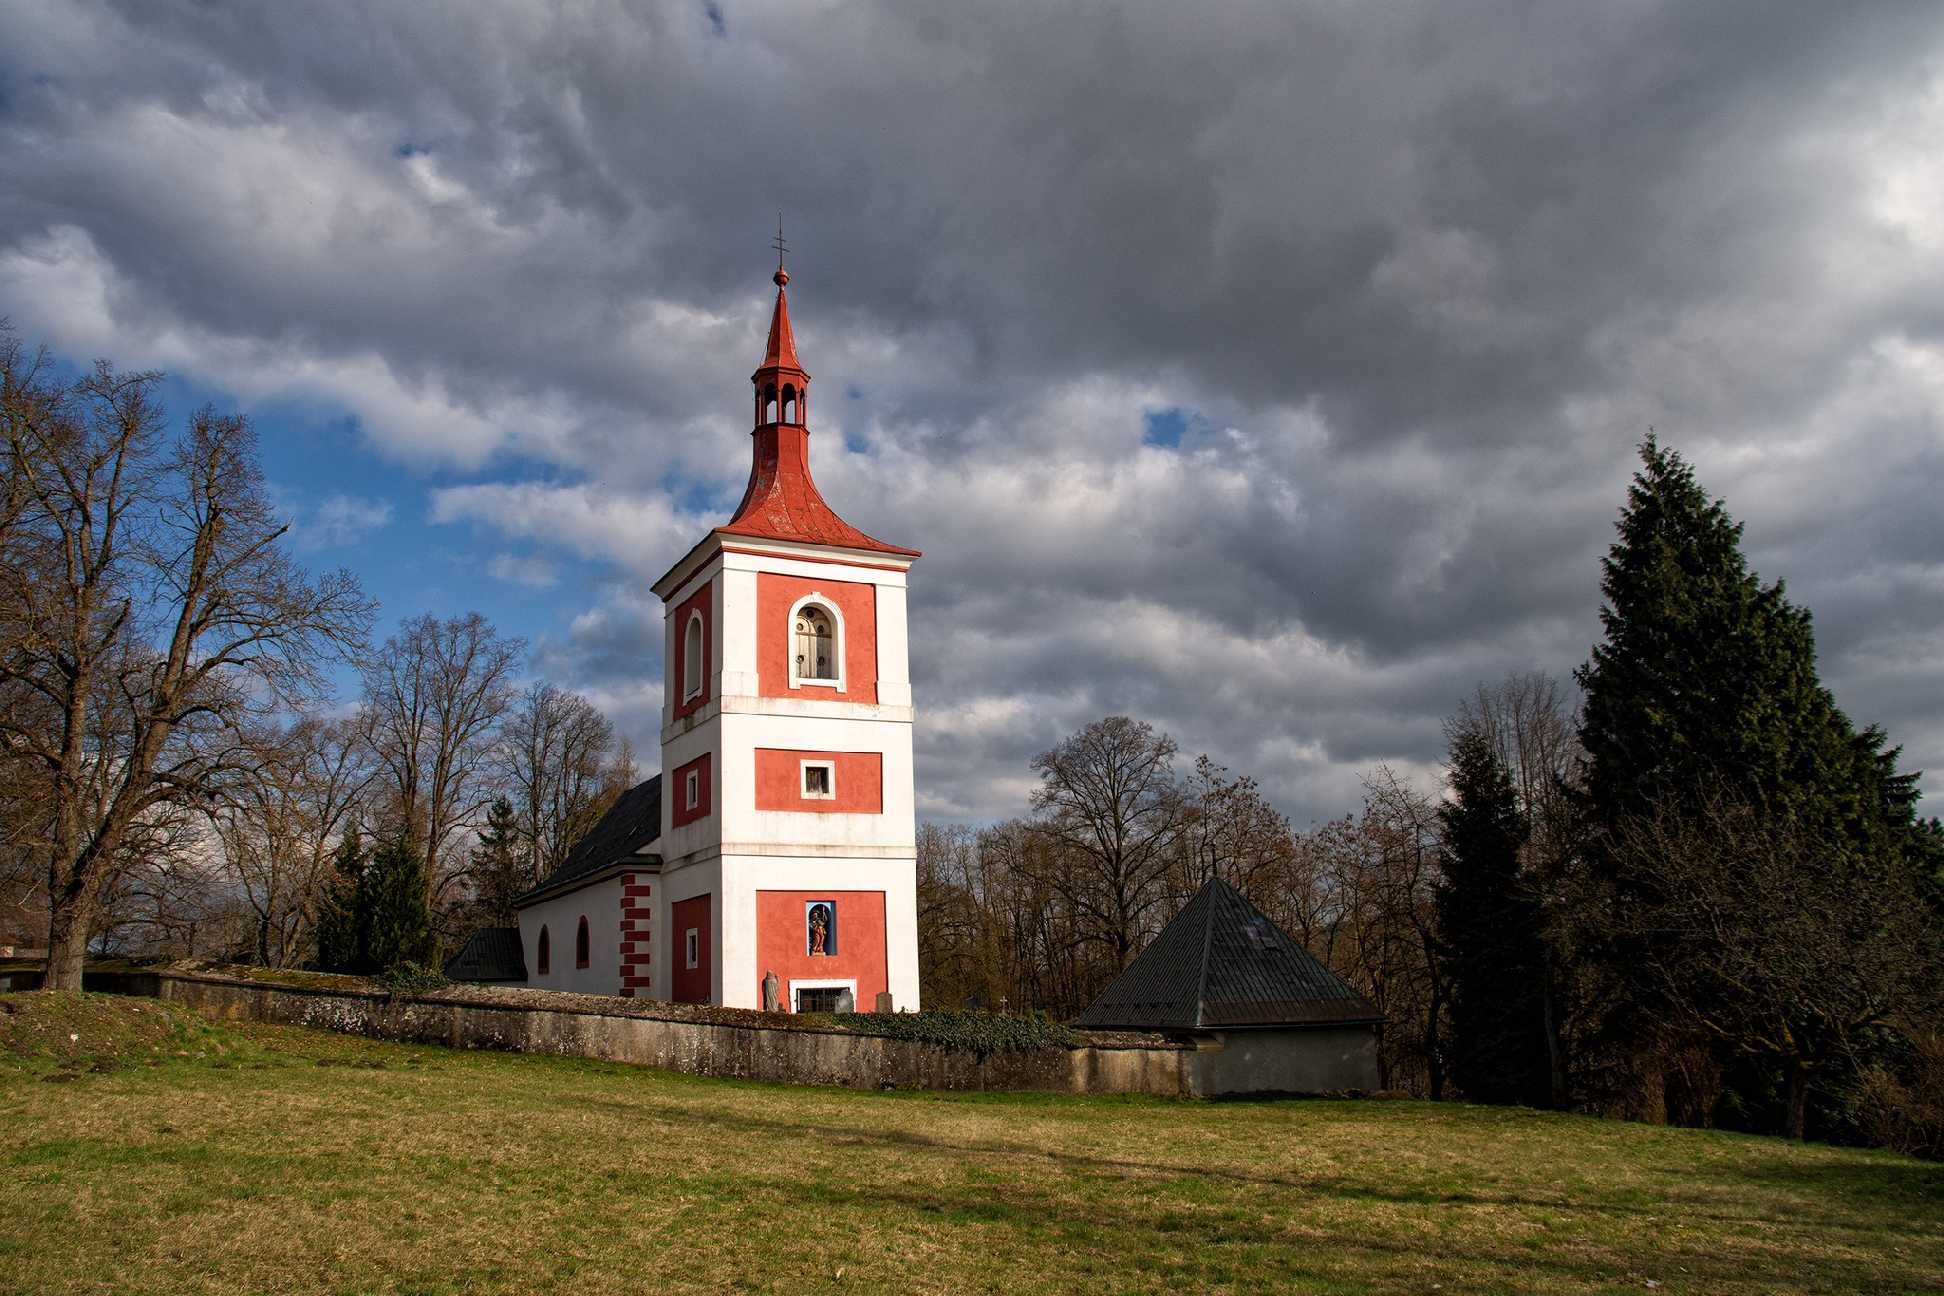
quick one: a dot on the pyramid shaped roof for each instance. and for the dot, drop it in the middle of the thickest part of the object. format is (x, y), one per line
(1222, 965)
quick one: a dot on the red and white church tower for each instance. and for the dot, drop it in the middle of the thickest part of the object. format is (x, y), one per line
(788, 831)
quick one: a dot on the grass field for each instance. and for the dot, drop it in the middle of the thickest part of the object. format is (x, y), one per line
(153, 1153)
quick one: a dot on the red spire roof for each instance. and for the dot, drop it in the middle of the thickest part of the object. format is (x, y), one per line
(782, 501)
(781, 352)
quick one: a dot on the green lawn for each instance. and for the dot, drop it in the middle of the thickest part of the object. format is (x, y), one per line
(154, 1154)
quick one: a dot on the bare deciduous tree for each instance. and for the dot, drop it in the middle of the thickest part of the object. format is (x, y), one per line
(1385, 871)
(1109, 804)
(279, 823)
(436, 692)
(149, 610)
(555, 746)
(1231, 832)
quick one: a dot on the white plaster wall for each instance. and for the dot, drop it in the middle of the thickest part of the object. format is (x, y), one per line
(737, 620)
(894, 656)
(745, 829)
(1318, 1060)
(601, 902)
(677, 751)
(814, 564)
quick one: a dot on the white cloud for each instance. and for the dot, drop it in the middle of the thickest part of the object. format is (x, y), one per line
(525, 569)
(340, 520)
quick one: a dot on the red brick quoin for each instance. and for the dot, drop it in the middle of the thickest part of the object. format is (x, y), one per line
(637, 899)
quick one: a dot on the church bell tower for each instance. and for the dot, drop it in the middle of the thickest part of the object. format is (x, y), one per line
(788, 819)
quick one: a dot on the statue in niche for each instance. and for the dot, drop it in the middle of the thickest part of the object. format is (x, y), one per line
(819, 929)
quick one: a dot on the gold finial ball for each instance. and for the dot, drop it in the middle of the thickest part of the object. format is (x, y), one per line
(781, 276)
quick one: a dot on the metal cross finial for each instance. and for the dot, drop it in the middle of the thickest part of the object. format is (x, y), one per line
(778, 243)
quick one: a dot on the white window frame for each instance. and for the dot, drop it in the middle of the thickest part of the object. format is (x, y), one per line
(830, 780)
(692, 790)
(847, 983)
(828, 606)
(692, 949)
(696, 670)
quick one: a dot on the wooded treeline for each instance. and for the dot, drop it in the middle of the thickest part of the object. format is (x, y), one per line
(175, 774)
(1700, 895)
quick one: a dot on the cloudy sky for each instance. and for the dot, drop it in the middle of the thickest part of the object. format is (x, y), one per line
(1271, 372)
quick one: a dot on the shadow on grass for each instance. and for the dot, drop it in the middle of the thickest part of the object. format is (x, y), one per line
(1876, 1186)
(1855, 1195)
(1276, 1252)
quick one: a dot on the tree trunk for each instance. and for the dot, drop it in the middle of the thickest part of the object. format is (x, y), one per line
(1434, 1055)
(1798, 1098)
(67, 945)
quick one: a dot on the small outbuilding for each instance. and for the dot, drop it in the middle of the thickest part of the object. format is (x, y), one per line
(1265, 1016)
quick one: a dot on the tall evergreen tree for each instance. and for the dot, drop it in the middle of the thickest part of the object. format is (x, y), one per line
(393, 926)
(337, 907)
(1490, 940)
(1704, 693)
(1705, 675)
(500, 868)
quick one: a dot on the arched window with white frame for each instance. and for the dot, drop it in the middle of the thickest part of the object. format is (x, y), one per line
(693, 667)
(816, 645)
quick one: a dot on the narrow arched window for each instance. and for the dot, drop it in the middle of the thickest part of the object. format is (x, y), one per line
(546, 952)
(769, 404)
(789, 403)
(816, 644)
(580, 944)
(692, 668)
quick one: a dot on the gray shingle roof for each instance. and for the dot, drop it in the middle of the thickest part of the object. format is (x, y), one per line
(626, 830)
(493, 954)
(1221, 964)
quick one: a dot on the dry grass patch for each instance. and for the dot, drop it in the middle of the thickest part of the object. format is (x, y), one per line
(336, 1164)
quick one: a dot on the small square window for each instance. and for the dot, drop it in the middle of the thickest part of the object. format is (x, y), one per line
(819, 780)
(692, 788)
(693, 947)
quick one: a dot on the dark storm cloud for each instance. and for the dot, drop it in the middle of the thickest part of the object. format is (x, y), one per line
(1420, 275)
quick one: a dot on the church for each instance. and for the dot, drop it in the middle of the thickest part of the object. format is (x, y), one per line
(772, 862)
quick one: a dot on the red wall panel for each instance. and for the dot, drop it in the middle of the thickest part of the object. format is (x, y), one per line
(679, 811)
(689, 984)
(696, 602)
(858, 605)
(860, 781)
(781, 946)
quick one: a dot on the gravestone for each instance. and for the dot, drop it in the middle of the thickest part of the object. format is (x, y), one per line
(884, 1002)
(846, 1001)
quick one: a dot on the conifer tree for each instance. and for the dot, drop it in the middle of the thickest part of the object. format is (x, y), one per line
(1705, 674)
(499, 867)
(1489, 920)
(393, 926)
(1704, 695)
(337, 904)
